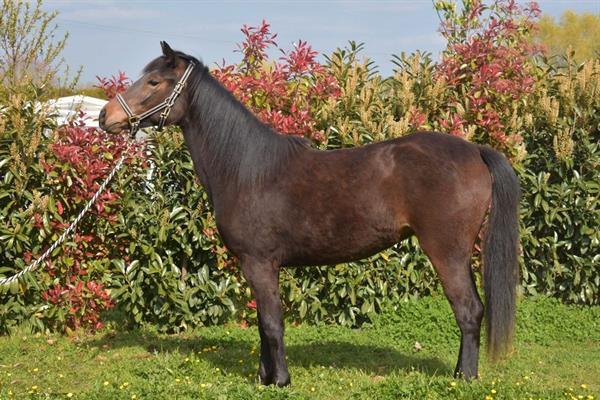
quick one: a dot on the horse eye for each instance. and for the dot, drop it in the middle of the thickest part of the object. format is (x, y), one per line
(153, 82)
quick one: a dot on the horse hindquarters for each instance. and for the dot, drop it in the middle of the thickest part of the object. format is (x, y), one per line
(446, 218)
(447, 235)
(451, 260)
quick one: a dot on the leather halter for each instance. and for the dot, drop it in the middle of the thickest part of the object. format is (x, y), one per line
(165, 105)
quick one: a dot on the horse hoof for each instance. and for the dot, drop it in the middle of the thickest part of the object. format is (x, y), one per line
(282, 381)
(264, 380)
(466, 376)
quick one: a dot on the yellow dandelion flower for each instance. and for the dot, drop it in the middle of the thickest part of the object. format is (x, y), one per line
(493, 391)
(177, 380)
(203, 385)
(133, 396)
(35, 370)
(488, 397)
(590, 397)
(187, 359)
(61, 376)
(584, 386)
(69, 395)
(453, 384)
(34, 387)
(106, 383)
(312, 389)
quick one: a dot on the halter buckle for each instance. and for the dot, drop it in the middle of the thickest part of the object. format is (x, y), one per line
(178, 88)
(165, 114)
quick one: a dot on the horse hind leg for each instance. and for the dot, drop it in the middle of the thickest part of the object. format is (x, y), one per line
(451, 260)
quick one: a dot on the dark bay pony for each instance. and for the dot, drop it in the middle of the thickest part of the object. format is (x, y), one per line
(278, 202)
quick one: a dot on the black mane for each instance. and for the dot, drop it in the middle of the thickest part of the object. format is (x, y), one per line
(237, 145)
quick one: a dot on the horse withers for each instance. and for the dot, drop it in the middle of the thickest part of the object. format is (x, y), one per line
(279, 202)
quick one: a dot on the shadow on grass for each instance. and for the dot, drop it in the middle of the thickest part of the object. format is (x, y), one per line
(225, 353)
(370, 359)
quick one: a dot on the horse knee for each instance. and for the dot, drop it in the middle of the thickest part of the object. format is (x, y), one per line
(272, 328)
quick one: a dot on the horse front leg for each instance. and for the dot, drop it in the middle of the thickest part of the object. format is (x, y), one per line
(264, 282)
(265, 367)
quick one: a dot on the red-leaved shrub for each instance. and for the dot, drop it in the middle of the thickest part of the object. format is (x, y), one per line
(113, 85)
(283, 93)
(487, 64)
(79, 160)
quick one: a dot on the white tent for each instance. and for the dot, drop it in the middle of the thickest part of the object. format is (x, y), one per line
(68, 108)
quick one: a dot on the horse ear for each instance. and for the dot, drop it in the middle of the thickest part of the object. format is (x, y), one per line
(168, 52)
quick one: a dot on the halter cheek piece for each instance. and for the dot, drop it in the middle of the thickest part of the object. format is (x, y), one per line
(165, 105)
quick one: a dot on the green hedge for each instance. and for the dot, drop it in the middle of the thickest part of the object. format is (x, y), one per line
(560, 214)
(168, 267)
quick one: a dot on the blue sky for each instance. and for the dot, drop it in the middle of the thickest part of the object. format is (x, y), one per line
(111, 35)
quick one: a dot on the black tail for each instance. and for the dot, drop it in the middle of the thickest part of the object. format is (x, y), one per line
(500, 253)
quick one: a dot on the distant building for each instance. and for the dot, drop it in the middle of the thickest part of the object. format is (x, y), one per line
(68, 108)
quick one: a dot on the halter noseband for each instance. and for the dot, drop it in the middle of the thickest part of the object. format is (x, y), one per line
(165, 105)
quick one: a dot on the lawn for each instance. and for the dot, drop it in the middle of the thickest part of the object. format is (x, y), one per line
(409, 353)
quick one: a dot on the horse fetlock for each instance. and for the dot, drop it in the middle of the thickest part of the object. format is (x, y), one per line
(264, 374)
(264, 378)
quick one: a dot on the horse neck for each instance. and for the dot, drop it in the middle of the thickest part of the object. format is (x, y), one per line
(230, 147)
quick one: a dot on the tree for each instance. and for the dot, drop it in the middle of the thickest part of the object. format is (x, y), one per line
(29, 51)
(579, 32)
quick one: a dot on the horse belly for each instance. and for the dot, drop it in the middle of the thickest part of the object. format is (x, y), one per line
(323, 244)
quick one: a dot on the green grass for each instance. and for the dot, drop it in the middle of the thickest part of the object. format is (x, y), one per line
(557, 355)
